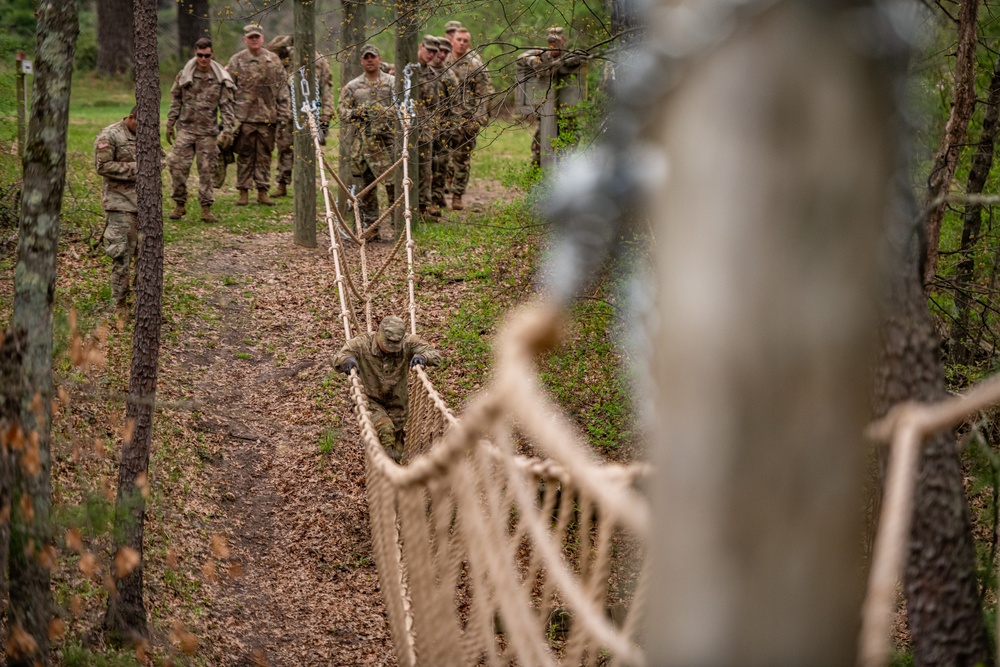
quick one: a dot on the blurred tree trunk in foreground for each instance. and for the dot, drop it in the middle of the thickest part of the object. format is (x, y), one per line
(26, 436)
(126, 616)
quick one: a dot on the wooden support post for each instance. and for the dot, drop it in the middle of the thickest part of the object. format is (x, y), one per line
(304, 79)
(355, 13)
(407, 23)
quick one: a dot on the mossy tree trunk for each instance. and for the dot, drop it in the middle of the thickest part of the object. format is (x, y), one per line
(31, 552)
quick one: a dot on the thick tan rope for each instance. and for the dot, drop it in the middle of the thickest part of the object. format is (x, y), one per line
(471, 561)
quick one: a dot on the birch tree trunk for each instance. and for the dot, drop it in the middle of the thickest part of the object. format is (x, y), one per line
(946, 158)
(126, 615)
(31, 546)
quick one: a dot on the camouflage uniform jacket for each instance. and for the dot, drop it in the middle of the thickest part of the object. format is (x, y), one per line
(540, 63)
(115, 160)
(325, 80)
(447, 116)
(427, 100)
(475, 87)
(383, 375)
(368, 106)
(193, 106)
(262, 90)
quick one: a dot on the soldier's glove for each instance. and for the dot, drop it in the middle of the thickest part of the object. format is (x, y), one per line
(225, 140)
(418, 359)
(170, 134)
(350, 364)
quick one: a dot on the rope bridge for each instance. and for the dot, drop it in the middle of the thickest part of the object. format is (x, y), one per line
(486, 555)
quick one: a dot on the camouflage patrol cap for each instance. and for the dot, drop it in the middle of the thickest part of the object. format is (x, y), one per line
(369, 48)
(444, 44)
(391, 332)
(555, 34)
(253, 29)
(452, 26)
(430, 42)
(280, 43)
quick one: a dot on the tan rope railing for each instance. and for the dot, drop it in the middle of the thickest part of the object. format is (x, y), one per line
(470, 536)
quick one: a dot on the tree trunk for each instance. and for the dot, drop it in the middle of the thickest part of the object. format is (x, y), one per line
(761, 377)
(945, 617)
(31, 545)
(946, 158)
(304, 172)
(126, 616)
(192, 24)
(961, 343)
(407, 40)
(352, 39)
(115, 28)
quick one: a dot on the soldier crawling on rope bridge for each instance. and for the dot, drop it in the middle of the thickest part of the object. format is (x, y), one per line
(382, 361)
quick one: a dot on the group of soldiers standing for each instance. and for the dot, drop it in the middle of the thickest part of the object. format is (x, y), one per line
(451, 91)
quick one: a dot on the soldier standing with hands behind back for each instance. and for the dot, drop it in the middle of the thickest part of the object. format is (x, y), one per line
(201, 90)
(261, 101)
(473, 99)
(366, 102)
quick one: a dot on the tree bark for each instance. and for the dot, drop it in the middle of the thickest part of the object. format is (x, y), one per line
(761, 378)
(304, 172)
(961, 343)
(192, 24)
(115, 41)
(946, 621)
(126, 615)
(31, 548)
(355, 14)
(946, 159)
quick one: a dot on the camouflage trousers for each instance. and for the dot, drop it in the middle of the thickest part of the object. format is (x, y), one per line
(567, 129)
(121, 245)
(187, 147)
(253, 156)
(463, 143)
(390, 431)
(284, 141)
(369, 203)
(439, 169)
(425, 157)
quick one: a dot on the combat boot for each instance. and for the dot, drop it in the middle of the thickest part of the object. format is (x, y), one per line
(456, 203)
(178, 211)
(434, 210)
(206, 214)
(262, 197)
(280, 191)
(244, 198)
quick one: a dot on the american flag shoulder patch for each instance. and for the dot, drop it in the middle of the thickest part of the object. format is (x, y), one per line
(103, 144)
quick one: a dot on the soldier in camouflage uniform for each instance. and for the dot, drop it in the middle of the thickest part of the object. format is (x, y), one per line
(426, 102)
(201, 91)
(366, 102)
(115, 160)
(261, 101)
(444, 123)
(283, 47)
(557, 65)
(472, 103)
(383, 361)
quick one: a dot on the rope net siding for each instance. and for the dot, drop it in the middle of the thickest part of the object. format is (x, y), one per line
(487, 556)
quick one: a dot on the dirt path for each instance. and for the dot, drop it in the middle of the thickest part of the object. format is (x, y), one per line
(256, 362)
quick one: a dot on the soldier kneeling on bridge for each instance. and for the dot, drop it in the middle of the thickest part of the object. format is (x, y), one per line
(383, 361)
